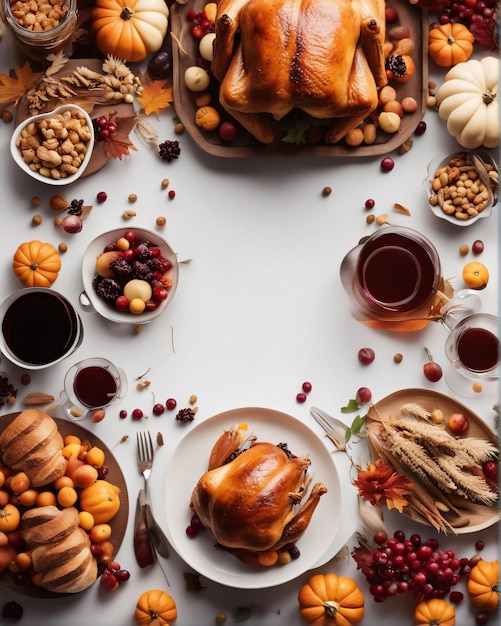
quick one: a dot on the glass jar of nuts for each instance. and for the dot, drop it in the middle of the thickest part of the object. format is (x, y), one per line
(40, 27)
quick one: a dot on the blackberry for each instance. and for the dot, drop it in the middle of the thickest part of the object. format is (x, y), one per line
(142, 252)
(120, 267)
(185, 415)
(396, 65)
(75, 207)
(285, 448)
(169, 150)
(6, 390)
(107, 289)
(142, 271)
(158, 265)
(12, 610)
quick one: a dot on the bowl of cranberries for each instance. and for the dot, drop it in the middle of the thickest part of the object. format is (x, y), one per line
(129, 275)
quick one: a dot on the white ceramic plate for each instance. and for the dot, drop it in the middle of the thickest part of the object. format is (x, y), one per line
(18, 157)
(321, 541)
(96, 247)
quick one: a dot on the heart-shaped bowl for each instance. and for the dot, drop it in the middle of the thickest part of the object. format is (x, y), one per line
(55, 147)
(470, 165)
(112, 242)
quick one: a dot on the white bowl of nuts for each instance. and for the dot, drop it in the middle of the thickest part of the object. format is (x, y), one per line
(55, 147)
(129, 275)
(462, 187)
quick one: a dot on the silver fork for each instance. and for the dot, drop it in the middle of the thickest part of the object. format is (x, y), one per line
(145, 456)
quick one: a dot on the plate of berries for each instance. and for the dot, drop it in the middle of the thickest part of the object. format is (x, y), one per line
(129, 276)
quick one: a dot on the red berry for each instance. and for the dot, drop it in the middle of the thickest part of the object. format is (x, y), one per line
(479, 545)
(364, 395)
(123, 414)
(171, 404)
(420, 129)
(122, 575)
(301, 397)
(102, 121)
(490, 469)
(387, 164)
(158, 409)
(109, 581)
(456, 597)
(112, 127)
(366, 355)
(477, 247)
(137, 414)
(130, 235)
(122, 303)
(197, 31)
(104, 133)
(432, 371)
(191, 531)
(458, 423)
(380, 538)
(391, 15)
(172, 194)
(102, 196)
(160, 293)
(369, 204)
(227, 131)
(306, 387)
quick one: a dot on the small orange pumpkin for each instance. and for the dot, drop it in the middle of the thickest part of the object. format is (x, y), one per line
(450, 44)
(155, 608)
(434, 612)
(331, 600)
(36, 263)
(483, 585)
(475, 275)
(101, 500)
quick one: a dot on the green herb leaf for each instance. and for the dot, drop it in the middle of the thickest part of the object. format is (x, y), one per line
(347, 435)
(351, 407)
(358, 426)
(296, 132)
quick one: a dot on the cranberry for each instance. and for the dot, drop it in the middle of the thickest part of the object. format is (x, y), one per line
(479, 545)
(370, 204)
(130, 235)
(122, 303)
(294, 552)
(137, 414)
(490, 469)
(158, 409)
(171, 404)
(391, 15)
(196, 521)
(160, 293)
(227, 131)
(366, 355)
(109, 581)
(306, 387)
(380, 538)
(456, 597)
(101, 197)
(481, 618)
(191, 531)
(364, 395)
(387, 164)
(432, 371)
(477, 247)
(122, 575)
(123, 414)
(172, 194)
(420, 129)
(301, 397)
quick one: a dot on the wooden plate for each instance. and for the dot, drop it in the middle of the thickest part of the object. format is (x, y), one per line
(478, 516)
(115, 476)
(244, 145)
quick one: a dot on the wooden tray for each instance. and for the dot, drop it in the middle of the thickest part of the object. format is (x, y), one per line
(118, 523)
(480, 516)
(245, 145)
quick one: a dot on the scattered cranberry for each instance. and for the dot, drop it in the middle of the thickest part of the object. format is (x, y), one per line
(481, 618)
(160, 293)
(301, 397)
(380, 538)
(158, 409)
(294, 552)
(196, 521)
(191, 531)
(364, 395)
(387, 164)
(479, 545)
(109, 580)
(477, 247)
(370, 204)
(431, 370)
(420, 129)
(306, 387)
(137, 414)
(171, 404)
(123, 414)
(490, 469)
(101, 197)
(96, 549)
(391, 15)
(227, 131)
(366, 355)
(172, 194)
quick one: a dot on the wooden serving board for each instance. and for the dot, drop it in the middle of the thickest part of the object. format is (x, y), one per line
(125, 113)
(245, 145)
(115, 476)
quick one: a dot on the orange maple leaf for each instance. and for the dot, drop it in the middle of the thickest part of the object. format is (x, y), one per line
(155, 95)
(118, 145)
(13, 89)
(380, 484)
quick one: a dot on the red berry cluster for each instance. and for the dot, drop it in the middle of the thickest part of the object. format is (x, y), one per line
(113, 575)
(200, 24)
(401, 564)
(306, 387)
(469, 12)
(105, 127)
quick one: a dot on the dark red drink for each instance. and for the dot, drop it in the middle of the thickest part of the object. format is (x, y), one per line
(396, 273)
(95, 386)
(478, 349)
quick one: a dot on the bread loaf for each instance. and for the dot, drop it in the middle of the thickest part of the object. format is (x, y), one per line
(60, 549)
(32, 443)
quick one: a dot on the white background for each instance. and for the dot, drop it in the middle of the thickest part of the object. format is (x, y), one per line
(259, 310)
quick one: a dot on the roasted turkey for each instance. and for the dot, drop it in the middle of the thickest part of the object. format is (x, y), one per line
(324, 57)
(249, 502)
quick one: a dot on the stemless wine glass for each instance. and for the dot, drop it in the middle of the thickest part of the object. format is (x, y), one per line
(472, 349)
(92, 384)
(393, 279)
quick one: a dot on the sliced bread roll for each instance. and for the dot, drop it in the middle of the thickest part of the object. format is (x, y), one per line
(72, 576)
(32, 443)
(48, 524)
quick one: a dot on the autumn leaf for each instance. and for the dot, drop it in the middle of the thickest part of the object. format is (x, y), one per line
(13, 89)
(118, 145)
(380, 484)
(155, 95)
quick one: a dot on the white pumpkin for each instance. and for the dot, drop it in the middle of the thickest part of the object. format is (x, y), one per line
(468, 100)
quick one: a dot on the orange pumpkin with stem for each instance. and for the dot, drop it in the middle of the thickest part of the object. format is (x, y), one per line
(475, 275)
(36, 263)
(450, 44)
(483, 585)
(434, 612)
(331, 600)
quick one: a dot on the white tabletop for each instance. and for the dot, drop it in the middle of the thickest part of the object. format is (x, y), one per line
(258, 311)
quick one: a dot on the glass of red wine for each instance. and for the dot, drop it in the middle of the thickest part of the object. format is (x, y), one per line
(92, 384)
(472, 349)
(393, 279)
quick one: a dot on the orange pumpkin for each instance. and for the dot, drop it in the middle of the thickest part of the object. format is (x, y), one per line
(155, 607)
(434, 612)
(483, 585)
(450, 44)
(129, 30)
(36, 263)
(101, 500)
(331, 600)
(475, 275)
